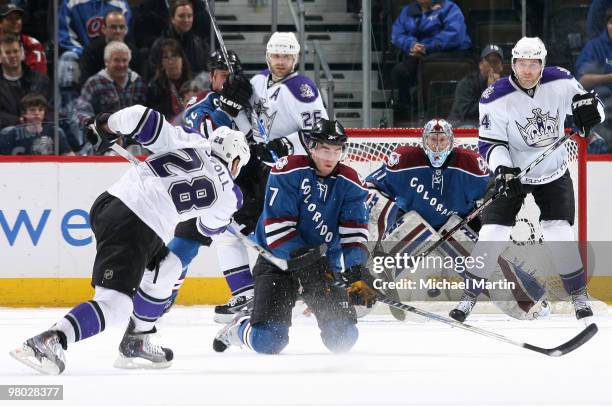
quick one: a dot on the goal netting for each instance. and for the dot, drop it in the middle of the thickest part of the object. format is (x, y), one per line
(369, 148)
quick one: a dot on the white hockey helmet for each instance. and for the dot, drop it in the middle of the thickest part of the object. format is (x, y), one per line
(529, 48)
(283, 43)
(435, 127)
(228, 145)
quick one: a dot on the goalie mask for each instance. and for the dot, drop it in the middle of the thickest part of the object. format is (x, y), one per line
(437, 141)
(227, 145)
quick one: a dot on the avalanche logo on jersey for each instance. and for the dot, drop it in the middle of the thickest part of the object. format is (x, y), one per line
(261, 117)
(281, 163)
(541, 129)
(393, 159)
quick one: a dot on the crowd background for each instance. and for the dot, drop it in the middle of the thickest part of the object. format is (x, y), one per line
(64, 61)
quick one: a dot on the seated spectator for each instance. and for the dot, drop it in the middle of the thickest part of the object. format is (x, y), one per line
(150, 20)
(11, 22)
(16, 80)
(114, 28)
(426, 29)
(181, 29)
(82, 21)
(467, 94)
(596, 17)
(170, 75)
(34, 136)
(113, 88)
(594, 72)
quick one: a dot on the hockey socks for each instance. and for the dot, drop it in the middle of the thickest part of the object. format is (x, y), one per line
(239, 279)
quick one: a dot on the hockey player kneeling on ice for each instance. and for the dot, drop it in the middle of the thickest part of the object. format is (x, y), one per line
(420, 193)
(520, 116)
(310, 201)
(134, 272)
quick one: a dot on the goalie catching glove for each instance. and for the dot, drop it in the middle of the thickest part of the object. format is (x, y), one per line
(235, 95)
(359, 285)
(507, 183)
(586, 112)
(97, 134)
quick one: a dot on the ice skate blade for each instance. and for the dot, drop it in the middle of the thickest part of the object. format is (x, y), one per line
(223, 318)
(123, 362)
(26, 356)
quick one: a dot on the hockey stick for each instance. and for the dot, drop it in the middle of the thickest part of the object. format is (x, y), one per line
(219, 38)
(569, 346)
(474, 213)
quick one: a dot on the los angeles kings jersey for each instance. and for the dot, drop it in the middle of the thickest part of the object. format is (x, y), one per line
(525, 126)
(180, 181)
(283, 108)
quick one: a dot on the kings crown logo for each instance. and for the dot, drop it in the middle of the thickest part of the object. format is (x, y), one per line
(541, 129)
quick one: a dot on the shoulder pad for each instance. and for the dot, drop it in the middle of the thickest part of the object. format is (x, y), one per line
(499, 89)
(351, 175)
(289, 163)
(406, 157)
(302, 88)
(552, 73)
(469, 161)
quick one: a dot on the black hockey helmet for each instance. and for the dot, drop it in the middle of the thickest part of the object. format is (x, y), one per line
(216, 60)
(327, 132)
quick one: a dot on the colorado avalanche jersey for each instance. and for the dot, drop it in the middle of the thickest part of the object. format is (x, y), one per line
(180, 181)
(434, 193)
(523, 126)
(281, 109)
(304, 210)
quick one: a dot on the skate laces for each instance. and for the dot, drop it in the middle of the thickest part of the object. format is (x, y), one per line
(580, 299)
(466, 303)
(150, 347)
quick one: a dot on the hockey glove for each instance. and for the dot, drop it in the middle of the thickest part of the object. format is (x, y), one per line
(235, 95)
(360, 286)
(585, 112)
(265, 152)
(507, 183)
(97, 135)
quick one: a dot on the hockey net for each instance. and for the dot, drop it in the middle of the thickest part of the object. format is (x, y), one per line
(368, 149)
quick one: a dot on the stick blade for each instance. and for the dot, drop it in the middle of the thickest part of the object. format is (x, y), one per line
(565, 348)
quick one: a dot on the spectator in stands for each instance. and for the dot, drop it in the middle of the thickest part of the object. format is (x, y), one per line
(594, 72)
(151, 17)
(596, 17)
(468, 91)
(114, 28)
(113, 88)
(181, 29)
(34, 136)
(16, 80)
(170, 74)
(11, 22)
(82, 21)
(426, 29)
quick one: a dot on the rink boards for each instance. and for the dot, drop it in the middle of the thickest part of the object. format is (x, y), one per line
(47, 248)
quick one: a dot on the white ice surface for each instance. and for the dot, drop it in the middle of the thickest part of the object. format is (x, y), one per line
(393, 363)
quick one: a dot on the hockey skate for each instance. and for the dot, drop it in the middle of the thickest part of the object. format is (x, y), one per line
(581, 303)
(225, 313)
(228, 335)
(43, 353)
(136, 351)
(464, 307)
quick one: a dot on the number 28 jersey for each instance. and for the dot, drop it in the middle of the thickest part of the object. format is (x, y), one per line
(180, 181)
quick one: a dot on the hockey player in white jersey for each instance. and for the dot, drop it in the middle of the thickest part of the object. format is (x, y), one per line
(133, 273)
(284, 103)
(520, 116)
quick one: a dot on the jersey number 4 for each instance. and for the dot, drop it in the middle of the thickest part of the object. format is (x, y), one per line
(187, 195)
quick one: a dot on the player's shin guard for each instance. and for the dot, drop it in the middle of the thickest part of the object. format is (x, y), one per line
(87, 319)
(339, 335)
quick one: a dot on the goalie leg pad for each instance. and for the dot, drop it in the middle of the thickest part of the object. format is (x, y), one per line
(382, 213)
